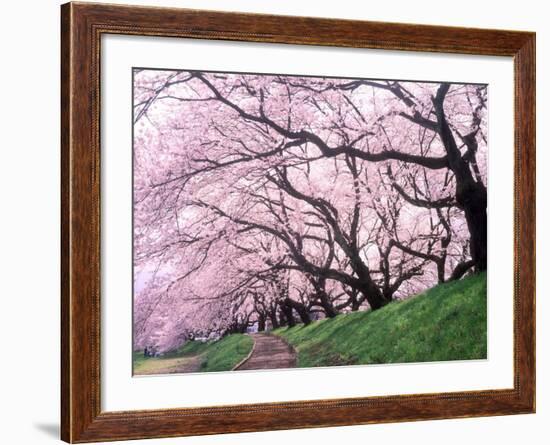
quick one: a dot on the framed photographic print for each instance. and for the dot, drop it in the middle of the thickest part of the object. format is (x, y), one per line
(274, 222)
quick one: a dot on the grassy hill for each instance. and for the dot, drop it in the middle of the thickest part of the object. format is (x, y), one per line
(194, 356)
(447, 322)
(224, 354)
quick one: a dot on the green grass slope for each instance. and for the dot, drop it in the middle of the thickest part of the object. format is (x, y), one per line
(447, 322)
(194, 356)
(224, 354)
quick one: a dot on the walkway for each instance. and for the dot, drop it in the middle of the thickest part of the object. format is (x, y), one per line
(269, 352)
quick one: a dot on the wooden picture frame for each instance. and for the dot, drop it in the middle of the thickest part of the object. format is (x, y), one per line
(82, 26)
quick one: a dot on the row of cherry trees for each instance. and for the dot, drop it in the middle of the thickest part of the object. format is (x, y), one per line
(272, 200)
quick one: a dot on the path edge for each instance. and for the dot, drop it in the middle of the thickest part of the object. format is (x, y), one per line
(292, 348)
(244, 360)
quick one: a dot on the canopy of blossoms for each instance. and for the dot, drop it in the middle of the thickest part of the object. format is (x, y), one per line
(268, 200)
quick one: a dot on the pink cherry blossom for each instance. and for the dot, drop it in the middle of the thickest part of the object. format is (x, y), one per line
(266, 200)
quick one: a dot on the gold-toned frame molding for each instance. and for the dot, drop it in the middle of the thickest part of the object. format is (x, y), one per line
(82, 25)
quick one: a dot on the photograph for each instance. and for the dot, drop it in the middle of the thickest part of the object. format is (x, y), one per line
(295, 221)
(280, 222)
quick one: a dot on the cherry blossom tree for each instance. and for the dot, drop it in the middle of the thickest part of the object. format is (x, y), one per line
(267, 200)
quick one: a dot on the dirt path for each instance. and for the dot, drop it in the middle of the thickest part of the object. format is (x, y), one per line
(269, 352)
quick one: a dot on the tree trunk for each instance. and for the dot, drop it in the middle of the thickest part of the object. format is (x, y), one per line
(474, 202)
(274, 319)
(283, 321)
(373, 295)
(304, 315)
(324, 300)
(471, 196)
(368, 287)
(301, 309)
(286, 309)
(261, 322)
(327, 306)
